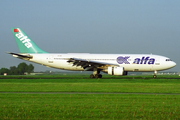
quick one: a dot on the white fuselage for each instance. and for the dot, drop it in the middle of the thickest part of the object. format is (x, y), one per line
(130, 62)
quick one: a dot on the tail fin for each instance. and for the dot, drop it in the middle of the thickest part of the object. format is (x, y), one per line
(25, 44)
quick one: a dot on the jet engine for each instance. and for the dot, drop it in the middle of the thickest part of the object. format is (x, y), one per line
(116, 71)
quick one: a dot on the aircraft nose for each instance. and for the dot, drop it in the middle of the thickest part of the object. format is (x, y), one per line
(173, 64)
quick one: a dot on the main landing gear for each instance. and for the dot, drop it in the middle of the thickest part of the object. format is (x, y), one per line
(96, 74)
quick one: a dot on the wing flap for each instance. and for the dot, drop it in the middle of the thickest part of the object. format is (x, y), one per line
(89, 64)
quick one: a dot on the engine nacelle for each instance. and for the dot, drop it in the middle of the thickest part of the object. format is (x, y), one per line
(116, 71)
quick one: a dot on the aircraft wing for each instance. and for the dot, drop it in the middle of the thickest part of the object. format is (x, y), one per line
(21, 56)
(89, 64)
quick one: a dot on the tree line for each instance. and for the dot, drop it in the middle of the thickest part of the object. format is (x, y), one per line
(19, 70)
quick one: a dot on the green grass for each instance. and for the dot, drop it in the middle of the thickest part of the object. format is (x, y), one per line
(77, 83)
(91, 87)
(89, 106)
(75, 106)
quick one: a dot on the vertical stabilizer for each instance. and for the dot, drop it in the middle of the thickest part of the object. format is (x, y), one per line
(25, 44)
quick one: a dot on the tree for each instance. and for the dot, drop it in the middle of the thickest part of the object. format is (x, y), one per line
(4, 70)
(30, 68)
(22, 68)
(13, 70)
(19, 70)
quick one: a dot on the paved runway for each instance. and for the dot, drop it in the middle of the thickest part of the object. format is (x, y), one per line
(88, 93)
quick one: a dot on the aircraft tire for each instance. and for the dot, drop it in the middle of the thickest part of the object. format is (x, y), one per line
(98, 76)
(91, 76)
(154, 76)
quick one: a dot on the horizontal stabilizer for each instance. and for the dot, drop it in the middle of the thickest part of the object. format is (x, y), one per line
(21, 56)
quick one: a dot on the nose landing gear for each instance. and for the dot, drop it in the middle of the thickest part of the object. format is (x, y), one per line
(154, 76)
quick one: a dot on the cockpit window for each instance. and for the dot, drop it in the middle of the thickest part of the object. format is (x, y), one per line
(168, 60)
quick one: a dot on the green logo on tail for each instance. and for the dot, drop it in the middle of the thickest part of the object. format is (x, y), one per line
(25, 44)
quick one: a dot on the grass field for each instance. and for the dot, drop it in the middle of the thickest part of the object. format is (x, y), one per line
(89, 106)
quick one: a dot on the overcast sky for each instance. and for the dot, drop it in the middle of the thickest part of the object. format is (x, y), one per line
(92, 26)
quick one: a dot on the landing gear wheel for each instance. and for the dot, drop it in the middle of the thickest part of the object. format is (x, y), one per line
(154, 76)
(91, 76)
(98, 76)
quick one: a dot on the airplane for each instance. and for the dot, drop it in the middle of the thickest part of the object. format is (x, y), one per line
(112, 64)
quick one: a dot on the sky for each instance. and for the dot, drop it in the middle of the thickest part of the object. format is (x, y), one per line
(92, 26)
